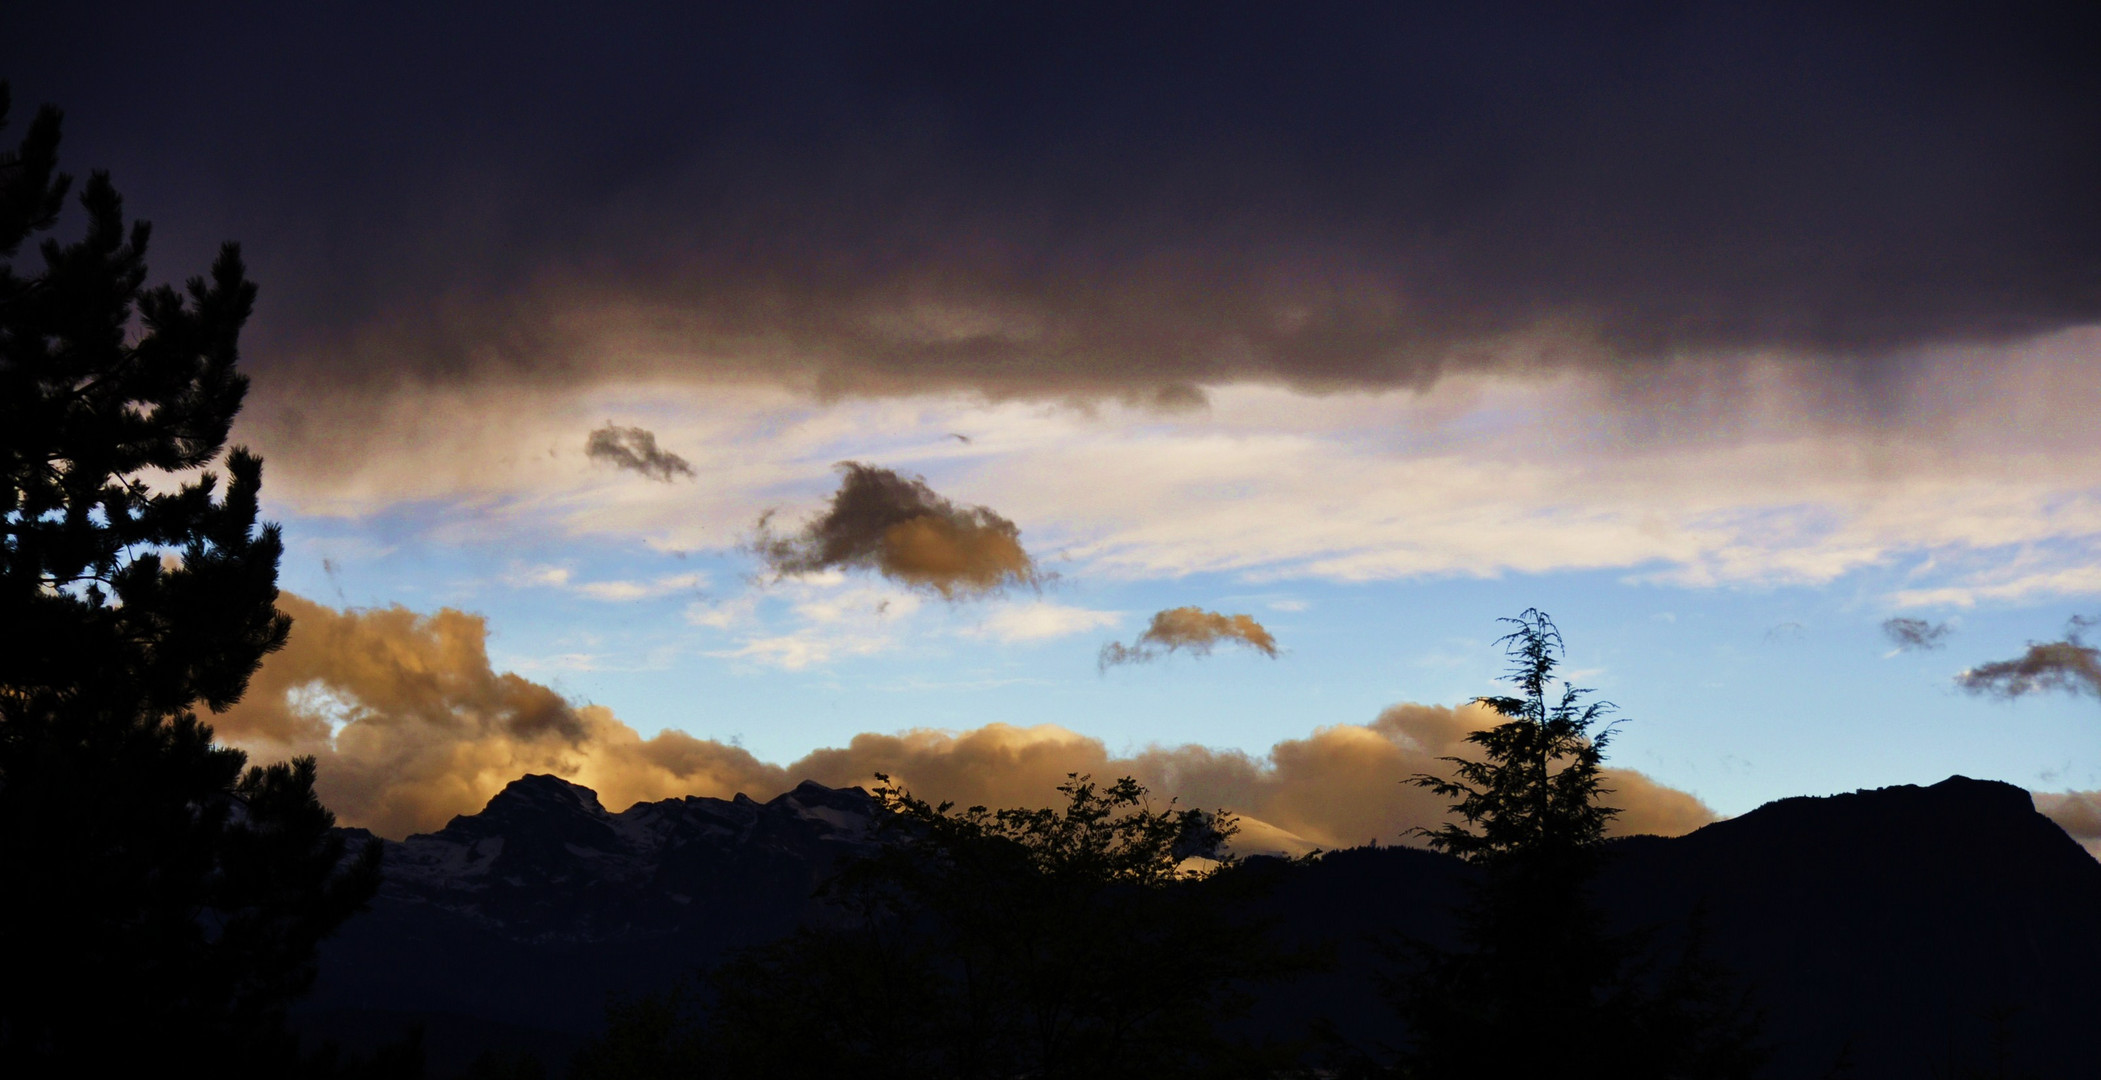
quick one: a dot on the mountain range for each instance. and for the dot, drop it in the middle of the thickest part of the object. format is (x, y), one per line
(1947, 930)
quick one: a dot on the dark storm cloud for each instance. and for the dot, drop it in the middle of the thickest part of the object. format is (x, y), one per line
(2071, 666)
(1131, 200)
(898, 527)
(636, 450)
(1190, 628)
(1909, 633)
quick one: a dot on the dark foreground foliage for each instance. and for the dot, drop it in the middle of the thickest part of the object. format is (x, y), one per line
(1074, 942)
(163, 899)
(1540, 986)
(1067, 942)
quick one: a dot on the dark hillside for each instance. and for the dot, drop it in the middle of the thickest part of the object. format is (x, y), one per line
(1917, 924)
(1920, 930)
(514, 925)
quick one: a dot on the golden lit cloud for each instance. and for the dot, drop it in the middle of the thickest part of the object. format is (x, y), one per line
(898, 527)
(2077, 812)
(1193, 629)
(412, 726)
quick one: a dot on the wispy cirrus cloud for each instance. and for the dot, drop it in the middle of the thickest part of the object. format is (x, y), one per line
(613, 590)
(617, 591)
(827, 619)
(1270, 485)
(2073, 575)
(1042, 621)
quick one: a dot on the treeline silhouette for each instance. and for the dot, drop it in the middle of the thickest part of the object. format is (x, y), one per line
(1075, 941)
(162, 897)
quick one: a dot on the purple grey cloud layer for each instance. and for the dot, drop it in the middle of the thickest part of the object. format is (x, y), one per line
(1096, 199)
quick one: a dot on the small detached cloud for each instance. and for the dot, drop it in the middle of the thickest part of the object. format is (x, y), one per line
(831, 619)
(900, 528)
(1786, 633)
(615, 592)
(1910, 634)
(1190, 628)
(636, 450)
(2070, 665)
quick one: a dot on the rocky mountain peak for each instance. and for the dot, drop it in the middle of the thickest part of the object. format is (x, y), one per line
(533, 800)
(546, 860)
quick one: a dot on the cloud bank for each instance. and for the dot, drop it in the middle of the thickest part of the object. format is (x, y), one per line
(1093, 199)
(898, 527)
(411, 726)
(1190, 628)
(1993, 494)
(2078, 812)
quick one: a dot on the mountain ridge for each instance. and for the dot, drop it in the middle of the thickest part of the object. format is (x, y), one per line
(1907, 927)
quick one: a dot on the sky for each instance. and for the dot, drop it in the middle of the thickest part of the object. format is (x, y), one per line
(689, 399)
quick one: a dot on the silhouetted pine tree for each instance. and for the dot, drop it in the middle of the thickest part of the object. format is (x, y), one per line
(162, 901)
(1541, 987)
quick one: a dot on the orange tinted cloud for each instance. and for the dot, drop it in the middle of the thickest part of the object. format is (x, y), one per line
(2077, 812)
(900, 528)
(1190, 628)
(412, 725)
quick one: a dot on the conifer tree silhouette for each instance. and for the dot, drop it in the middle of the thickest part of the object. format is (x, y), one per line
(163, 900)
(1541, 986)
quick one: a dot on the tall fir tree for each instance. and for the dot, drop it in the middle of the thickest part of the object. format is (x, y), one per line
(1542, 986)
(163, 899)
